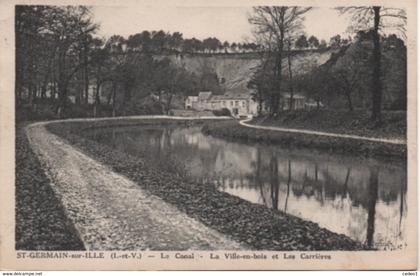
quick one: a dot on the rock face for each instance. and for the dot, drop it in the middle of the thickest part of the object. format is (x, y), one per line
(235, 70)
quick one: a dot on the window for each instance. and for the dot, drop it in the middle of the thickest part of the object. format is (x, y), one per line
(231, 103)
(236, 103)
(243, 103)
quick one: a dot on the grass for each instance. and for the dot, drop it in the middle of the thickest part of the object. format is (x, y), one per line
(394, 123)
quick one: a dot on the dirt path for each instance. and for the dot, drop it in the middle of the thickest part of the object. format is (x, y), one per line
(371, 139)
(111, 212)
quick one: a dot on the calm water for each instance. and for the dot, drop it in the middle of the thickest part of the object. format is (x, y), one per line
(364, 199)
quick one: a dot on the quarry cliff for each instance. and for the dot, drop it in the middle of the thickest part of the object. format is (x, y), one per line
(235, 70)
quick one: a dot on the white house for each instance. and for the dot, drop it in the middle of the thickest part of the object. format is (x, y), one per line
(191, 102)
(239, 103)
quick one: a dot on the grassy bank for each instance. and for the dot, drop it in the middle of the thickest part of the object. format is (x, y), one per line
(233, 130)
(41, 222)
(251, 224)
(394, 123)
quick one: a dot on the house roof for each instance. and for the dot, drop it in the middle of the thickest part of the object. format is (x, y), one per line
(238, 93)
(217, 97)
(204, 95)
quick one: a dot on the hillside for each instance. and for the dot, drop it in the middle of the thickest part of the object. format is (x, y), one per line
(234, 71)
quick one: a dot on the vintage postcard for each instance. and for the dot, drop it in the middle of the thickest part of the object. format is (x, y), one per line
(208, 135)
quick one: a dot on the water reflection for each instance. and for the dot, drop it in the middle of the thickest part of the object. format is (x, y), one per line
(362, 198)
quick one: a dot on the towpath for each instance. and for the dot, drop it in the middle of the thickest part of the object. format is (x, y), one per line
(320, 133)
(111, 212)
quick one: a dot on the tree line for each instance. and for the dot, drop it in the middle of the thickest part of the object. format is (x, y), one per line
(59, 55)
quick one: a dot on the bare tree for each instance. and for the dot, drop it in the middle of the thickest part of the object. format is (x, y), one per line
(376, 19)
(277, 21)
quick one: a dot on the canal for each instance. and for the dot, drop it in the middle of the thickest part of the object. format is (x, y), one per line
(362, 198)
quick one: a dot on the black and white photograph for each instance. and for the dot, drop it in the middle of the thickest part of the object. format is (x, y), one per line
(213, 132)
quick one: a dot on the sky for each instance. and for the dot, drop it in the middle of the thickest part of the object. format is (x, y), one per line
(224, 23)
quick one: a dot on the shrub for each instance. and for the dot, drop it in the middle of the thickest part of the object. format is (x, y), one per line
(222, 112)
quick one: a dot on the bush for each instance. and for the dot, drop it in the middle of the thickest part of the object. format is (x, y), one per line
(222, 112)
(38, 112)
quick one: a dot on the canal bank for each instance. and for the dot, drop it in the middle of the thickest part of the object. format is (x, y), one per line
(330, 142)
(253, 225)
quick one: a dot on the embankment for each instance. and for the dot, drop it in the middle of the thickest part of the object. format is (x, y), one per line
(233, 130)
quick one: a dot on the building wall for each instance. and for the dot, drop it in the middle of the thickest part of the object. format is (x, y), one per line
(240, 107)
(191, 102)
(203, 105)
(237, 107)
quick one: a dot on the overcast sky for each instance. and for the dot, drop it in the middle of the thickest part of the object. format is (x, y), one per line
(225, 23)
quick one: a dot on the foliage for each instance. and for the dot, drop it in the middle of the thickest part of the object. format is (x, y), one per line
(374, 19)
(50, 48)
(301, 42)
(344, 81)
(222, 112)
(313, 42)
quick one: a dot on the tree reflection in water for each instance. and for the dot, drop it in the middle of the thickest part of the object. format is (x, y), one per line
(289, 179)
(274, 181)
(373, 197)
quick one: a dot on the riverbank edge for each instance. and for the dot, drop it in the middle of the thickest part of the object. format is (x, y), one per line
(41, 222)
(233, 130)
(255, 225)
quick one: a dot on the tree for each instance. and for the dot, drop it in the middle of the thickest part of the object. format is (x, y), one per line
(233, 46)
(226, 46)
(50, 48)
(313, 42)
(159, 40)
(36, 51)
(323, 44)
(335, 42)
(273, 23)
(394, 62)
(260, 82)
(175, 41)
(211, 44)
(140, 42)
(301, 42)
(197, 45)
(374, 18)
(69, 26)
(289, 66)
(348, 73)
(101, 64)
(188, 46)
